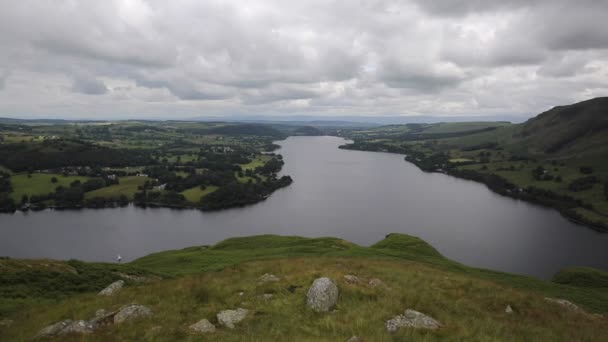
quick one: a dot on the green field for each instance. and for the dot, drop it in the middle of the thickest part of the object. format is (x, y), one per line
(257, 162)
(204, 280)
(127, 186)
(195, 194)
(39, 184)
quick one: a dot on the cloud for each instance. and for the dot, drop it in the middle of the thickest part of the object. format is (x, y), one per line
(177, 59)
(89, 86)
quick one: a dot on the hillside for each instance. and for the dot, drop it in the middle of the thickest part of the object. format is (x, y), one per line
(557, 159)
(580, 129)
(269, 276)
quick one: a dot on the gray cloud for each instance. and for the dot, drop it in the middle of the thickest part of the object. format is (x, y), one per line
(149, 58)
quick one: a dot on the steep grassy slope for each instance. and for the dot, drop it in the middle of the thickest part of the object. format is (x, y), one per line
(469, 302)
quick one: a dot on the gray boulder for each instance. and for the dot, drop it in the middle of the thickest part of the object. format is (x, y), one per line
(322, 295)
(53, 329)
(77, 327)
(131, 312)
(112, 288)
(228, 318)
(411, 319)
(203, 326)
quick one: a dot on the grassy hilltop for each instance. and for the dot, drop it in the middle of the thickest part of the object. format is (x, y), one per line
(198, 282)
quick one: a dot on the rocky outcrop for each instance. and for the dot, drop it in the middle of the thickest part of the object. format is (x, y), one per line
(411, 319)
(131, 312)
(229, 318)
(322, 295)
(53, 329)
(112, 288)
(202, 327)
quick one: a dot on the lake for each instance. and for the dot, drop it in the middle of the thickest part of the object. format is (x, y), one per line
(354, 195)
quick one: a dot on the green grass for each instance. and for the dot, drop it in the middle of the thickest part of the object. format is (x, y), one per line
(257, 162)
(195, 194)
(127, 186)
(469, 302)
(39, 184)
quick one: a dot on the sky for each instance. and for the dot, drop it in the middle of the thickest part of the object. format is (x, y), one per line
(189, 58)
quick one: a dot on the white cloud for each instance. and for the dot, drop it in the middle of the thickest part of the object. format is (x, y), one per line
(183, 58)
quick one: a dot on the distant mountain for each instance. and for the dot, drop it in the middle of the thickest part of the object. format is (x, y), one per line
(577, 129)
(308, 130)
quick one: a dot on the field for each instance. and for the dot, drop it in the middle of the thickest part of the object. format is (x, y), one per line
(201, 281)
(257, 162)
(127, 186)
(39, 184)
(195, 194)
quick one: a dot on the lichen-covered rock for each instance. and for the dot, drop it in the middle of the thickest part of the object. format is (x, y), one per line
(53, 329)
(228, 318)
(562, 302)
(266, 278)
(77, 327)
(351, 279)
(112, 288)
(131, 312)
(411, 319)
(203, 326)
(322, 295)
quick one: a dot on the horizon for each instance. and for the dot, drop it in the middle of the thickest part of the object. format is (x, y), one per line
(136, 60)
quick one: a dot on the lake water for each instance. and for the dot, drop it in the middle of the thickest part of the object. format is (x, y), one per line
(358, 196)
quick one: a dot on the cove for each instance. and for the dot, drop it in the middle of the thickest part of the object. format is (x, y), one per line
(355, 195)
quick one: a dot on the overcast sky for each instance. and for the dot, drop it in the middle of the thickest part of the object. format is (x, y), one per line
(180, 59)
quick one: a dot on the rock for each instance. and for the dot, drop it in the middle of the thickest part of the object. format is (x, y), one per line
(131, 312)
(102, 318)
(53, 329)
(564, 303)
(229, 317)
(112, 288)
(77, 327)
(267, 296)
(351, 279)
(375, 282)
(355, 339)
(411, 319)
(203, 326)
(241, 294)
(509, 310)
(266, 278)
(322, 295)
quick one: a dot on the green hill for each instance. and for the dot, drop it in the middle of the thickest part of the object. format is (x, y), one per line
(400, 272)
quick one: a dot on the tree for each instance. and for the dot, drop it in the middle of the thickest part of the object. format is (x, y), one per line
(54, 180)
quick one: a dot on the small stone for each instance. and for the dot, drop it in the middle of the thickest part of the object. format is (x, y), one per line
(412, 319)
(322, 296)
(355, 339)
(112, 288)
(229, 317)
(267, 296)
(351, 279)
(509, 310)
(131, 312)
(375, 282)
(562, 302)
(203, 326)
(241, 294)
(266, 278)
